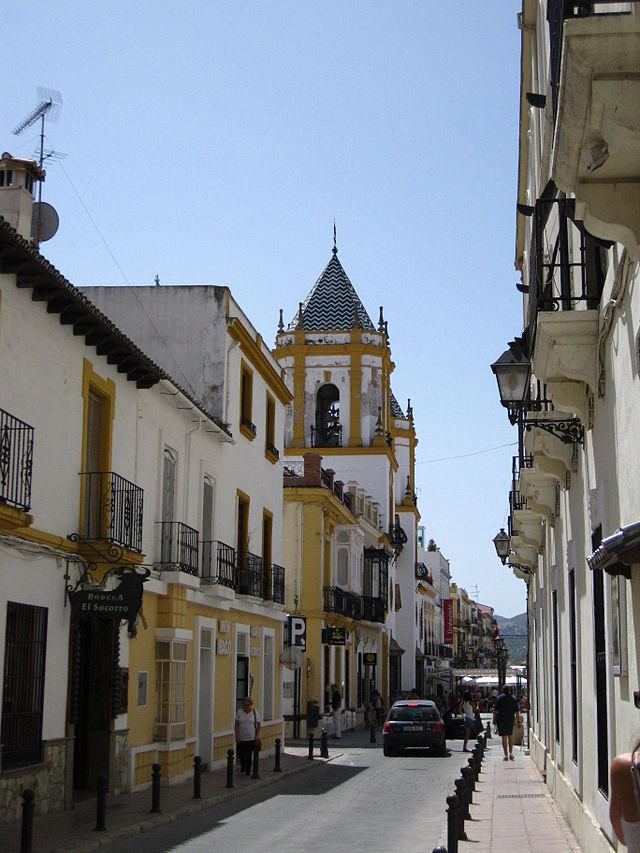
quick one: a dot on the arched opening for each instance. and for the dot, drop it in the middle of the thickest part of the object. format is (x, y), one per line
(328, 429)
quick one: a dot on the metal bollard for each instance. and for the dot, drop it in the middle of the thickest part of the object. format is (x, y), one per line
(276, 768)
(101, 803)
(155, 788)
(461, 792)
(324, 744)
(472, 776)
(197, 773)
(452, 823)
(256, 761)
(26, 837)
(229, 769)
(310, 746)
(467, 775)
(372, 733)
(488, 729)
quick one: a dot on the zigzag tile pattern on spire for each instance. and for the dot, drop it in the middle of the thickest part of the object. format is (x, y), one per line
(330, 304)
(396, 410)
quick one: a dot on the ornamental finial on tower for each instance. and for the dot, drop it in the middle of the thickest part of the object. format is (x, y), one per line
(381, 320)
(335, 247)
(300, 323)
(281, 323)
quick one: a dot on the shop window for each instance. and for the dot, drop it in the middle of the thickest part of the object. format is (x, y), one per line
(171, 690)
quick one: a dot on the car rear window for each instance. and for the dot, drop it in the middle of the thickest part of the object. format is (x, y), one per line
(421, 713)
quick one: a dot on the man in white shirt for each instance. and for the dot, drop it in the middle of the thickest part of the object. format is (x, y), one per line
(247, 731)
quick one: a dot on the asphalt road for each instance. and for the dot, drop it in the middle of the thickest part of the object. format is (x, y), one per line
(359, 801)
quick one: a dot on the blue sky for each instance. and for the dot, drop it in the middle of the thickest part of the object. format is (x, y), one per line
(217, 142)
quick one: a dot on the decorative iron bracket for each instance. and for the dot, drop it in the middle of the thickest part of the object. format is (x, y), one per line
(569, 430)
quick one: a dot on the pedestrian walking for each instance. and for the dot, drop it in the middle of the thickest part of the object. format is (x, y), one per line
(505, 711)
(377, 704)
(624, 799)
(469, 718)
(336, 707)
(247, 731)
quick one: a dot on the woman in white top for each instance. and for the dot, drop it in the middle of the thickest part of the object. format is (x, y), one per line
(624, 801)
(247, 732)
(468, 712)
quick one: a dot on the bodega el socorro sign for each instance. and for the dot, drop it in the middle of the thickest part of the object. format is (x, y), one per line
(122, 602)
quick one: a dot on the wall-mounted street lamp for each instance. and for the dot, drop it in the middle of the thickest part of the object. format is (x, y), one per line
(502, 542)
(513, 371)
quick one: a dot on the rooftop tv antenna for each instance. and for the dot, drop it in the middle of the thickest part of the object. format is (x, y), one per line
(49, 104)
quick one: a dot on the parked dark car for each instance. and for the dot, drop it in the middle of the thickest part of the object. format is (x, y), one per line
(454, 727)
(413, 723)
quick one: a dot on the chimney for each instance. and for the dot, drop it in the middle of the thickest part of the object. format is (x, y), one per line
(18, 179)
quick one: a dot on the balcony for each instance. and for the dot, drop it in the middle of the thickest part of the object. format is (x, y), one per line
(277, 584)
(112, 510)
(249, 575)
(337, 600)
(218, 563)
(595, 85)
(373, 609)
(16, 462)
(179, 548)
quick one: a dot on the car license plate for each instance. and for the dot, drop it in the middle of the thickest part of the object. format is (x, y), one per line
(413, 728)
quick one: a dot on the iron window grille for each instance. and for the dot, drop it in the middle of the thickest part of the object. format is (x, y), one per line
(23, 686)
(218, 563)
(179, 547)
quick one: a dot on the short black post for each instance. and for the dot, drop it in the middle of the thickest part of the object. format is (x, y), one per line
(197, 773)
(101, 803)
(467, 775)
(452, 823)
(472, 766)
(461, 792)
(26, 838)
(229, 769)
(372, 733)
(324, 744)
(276, 768)
(256, 761)
(488, 729)
(310, 756)
(155, 788)
(439, 850)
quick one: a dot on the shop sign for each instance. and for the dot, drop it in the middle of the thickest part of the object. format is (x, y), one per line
(447, 612)
(370, 658)
(122, 602)
(223, 647)
(297, 631)
(334, 636)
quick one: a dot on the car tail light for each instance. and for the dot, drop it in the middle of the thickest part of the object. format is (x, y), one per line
(437, 727)
(412, 704)
(387, 726)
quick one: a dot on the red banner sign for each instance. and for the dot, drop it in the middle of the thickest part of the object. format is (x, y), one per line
(447, 613)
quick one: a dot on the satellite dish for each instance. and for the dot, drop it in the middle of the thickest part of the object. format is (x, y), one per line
(292, 657)
(44, 223)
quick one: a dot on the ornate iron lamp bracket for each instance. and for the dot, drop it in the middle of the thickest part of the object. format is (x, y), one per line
(569, 430)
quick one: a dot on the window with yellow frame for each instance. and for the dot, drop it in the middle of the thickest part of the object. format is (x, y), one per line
(247, 427)
(270, 450)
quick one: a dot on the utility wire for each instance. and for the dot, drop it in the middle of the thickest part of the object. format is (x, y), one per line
(86, 209)
(466, 455)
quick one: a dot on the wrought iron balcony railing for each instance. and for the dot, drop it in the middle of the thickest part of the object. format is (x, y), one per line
(277, 584)
(218, 563)
(112, 509)
(248, 424)
(373, 609)
(337, 600)
(249, 574)
(179, 547)
(272, 449)
(16, 461)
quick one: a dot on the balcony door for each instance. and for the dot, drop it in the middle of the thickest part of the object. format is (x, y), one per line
(93, 463)
(168, 505)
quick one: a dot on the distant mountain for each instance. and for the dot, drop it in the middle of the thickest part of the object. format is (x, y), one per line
(514, 632)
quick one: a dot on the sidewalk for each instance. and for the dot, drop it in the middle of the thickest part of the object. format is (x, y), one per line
(73, 831)
(511, 807)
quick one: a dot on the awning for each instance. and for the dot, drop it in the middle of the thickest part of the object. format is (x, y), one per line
(618, 552)
(395, 648)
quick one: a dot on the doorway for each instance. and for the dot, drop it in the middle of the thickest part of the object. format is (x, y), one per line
(91, 703)
(205, 697)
